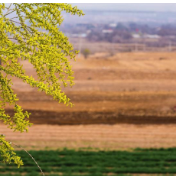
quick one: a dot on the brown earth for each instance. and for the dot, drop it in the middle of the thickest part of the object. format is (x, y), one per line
(94, 137)
(127, 92)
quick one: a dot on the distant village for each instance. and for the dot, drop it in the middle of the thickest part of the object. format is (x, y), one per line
(124, 33)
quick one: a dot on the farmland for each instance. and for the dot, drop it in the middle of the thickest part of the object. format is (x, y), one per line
(127, 99)
(121, 102)
(130, 87)
(90, 163)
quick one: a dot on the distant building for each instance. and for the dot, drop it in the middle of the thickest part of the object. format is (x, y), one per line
(149, 36)
(146, 36)
(79, 35)
(107, 31)
(113, 25)
(136, 36)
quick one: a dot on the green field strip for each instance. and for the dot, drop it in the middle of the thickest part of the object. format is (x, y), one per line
(139, 161)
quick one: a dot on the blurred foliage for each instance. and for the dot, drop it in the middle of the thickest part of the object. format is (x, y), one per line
(32, 34)
(86, 52)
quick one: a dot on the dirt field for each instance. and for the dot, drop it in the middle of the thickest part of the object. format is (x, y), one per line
(94, 137)
(124, 101)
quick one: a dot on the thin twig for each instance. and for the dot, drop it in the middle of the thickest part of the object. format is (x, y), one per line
(27, 27)
(30, 156)
(8, 9)
(9, 13)
(14, 21)
(15, 17)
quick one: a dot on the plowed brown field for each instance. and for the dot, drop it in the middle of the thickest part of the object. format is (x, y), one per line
(126, 101)
(106, 137)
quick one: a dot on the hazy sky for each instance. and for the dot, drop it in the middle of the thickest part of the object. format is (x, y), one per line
(128, 6)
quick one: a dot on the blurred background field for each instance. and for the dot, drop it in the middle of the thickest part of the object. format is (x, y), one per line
(120, 103)
(124, 98)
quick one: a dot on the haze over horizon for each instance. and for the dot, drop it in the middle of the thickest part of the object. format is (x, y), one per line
(158, 7)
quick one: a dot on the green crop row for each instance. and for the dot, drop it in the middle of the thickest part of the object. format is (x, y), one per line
(67, 174)
(101, 163)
